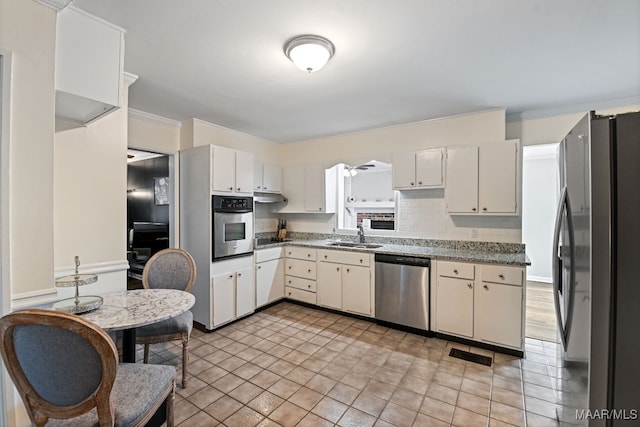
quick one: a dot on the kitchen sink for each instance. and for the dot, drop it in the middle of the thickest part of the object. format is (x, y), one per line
(356, 245)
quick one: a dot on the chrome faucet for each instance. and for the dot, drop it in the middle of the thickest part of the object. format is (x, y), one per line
(361, 233)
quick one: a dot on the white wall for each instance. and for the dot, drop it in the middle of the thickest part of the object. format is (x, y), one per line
(28, 30)
(539, 201)
(151, 133)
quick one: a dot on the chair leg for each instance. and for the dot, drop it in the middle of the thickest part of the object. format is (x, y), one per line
(185, 358)
(146, 353)
(170, 402)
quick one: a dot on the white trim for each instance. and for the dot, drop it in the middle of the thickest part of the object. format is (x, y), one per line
(34, 298)
(153, 118)
(572, 109)
(539, 279)
(129, 78)
(56, 5)
(98, 19)
(95, 268)
(6, 79)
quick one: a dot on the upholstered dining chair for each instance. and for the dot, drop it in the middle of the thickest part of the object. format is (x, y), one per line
(169, 269)
(66, 371)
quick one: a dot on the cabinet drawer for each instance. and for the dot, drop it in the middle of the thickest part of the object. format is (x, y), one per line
(268, 254)
(300, 295)
(460, 270)
(300, 253)
(300, 268)
(344, 257)
(501, 274)
(299, 283)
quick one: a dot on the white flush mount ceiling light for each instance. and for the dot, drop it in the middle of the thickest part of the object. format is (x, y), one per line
(309, 53)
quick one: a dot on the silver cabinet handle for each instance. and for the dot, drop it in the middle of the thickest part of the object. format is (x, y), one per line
(412, 183)
(486, 287)
(231, 276)
(259, 267)
(265, 188)
(419, 182)
(484, 209)
(455, 271)
(258, 187)
(230, 188)
(474, 209)
(501, 276)
(239, 274)
(469, 285)
(238, 188)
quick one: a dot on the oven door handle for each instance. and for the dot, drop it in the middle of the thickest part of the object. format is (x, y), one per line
(238, 211)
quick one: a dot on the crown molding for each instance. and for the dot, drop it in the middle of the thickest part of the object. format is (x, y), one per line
(56, 5)
(572, 109)
(129, 78)
(153, 118)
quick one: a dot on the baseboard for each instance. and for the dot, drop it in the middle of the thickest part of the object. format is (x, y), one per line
(540, 279)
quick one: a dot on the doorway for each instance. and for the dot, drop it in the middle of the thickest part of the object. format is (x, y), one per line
(540, 192)
(150, 203)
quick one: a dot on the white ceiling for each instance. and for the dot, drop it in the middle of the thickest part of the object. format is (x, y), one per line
(396, 61)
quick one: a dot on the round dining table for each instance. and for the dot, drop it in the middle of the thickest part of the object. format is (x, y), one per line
(125, 311)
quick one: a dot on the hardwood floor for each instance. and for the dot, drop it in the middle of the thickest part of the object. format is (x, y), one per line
(541, 316)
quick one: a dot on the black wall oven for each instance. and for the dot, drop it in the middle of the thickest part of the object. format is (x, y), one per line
(232, 226)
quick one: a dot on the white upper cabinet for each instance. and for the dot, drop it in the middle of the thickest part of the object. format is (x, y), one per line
(497, 178)
(89, 66)
(267, 177)
(483, 179)
(309, 188)
(232, 171)
(418, 169)
(461, 192)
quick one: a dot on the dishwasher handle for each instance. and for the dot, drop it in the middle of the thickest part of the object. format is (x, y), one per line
(403, 260)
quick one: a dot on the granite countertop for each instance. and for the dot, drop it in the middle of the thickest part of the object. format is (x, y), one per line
(476, 252)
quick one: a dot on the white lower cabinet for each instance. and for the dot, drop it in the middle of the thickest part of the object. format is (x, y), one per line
(481, 302)
(344, 281)
(232, 291)
(330, 290)
(356, 289)
(269, 276)
(455, 306)
(497, 314)
(300, 274)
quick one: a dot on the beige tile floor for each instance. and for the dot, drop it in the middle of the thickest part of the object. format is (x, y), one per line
(290, 365)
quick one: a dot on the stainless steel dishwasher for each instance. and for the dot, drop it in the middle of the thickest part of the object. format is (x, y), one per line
(402, 290)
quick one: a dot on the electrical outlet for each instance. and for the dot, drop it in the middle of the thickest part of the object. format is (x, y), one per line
(474, 233)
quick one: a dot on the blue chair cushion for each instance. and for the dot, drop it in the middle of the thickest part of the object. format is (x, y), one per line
(175, 325)
(136, 389)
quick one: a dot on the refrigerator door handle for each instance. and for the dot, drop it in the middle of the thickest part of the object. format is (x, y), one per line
(557, 265)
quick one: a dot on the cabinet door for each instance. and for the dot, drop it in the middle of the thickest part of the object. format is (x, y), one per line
(293, 187)
(244, 172)
(272, 178)
(269, 281)
(223, 173)
(429, 171)
(498, 180)
(329, 285)
(454, 305)
(223, 298)
(404, 170)
(499, 314)
(245, 297)
(356, 289)
(461, 191)
(258, 168)
(314, 196)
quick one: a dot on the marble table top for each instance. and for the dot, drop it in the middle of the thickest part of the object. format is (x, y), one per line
(140, 307)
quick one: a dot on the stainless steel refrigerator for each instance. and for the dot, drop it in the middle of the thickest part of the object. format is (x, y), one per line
(596, 272)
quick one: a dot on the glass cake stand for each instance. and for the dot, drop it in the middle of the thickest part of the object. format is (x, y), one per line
(78, 304)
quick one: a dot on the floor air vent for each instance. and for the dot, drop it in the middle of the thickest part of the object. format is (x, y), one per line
(470, 357)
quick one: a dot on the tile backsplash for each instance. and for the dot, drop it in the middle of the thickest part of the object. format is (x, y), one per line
(420, 213)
